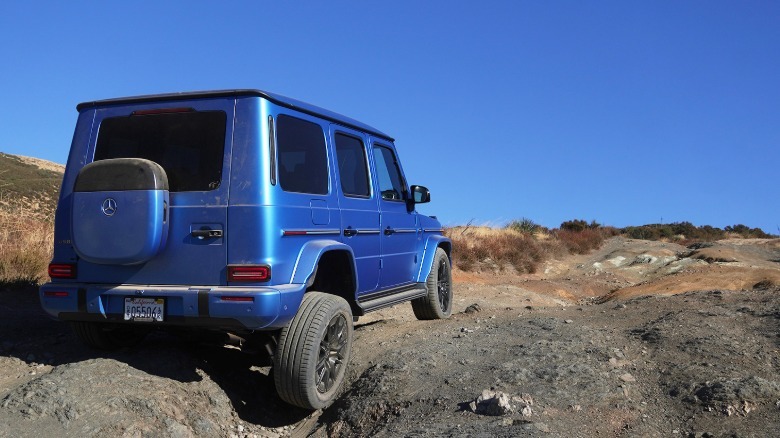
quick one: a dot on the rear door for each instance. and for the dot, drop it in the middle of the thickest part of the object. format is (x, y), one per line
(358, 204)
(191, 140)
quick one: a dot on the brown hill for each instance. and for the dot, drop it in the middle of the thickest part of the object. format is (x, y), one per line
(29, 186)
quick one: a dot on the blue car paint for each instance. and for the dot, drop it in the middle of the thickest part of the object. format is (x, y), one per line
(253, 215)
(120, 238)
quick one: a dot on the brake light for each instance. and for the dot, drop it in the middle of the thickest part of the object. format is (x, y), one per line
(249, 273)
(55, 294)
(161, 111)
(62, 270)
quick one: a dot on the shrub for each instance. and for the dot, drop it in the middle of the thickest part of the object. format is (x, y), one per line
(575, 225)
(747, 232)
(499, 248)
(25, 248)
(516, 246)
(524, 225)
(689, 233)
(578, 225)
(580, 242)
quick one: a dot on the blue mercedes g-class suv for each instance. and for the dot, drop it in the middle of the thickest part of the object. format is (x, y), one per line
(242, 212)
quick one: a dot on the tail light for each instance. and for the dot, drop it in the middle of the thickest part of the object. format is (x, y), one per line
(248, 273)
(62, 270)
(161, 111)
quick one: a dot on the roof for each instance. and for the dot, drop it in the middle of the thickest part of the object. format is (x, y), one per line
(275, 98)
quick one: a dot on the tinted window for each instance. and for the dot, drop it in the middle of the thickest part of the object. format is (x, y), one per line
(189, 145)
(389, 175)
(303, 162)
(353, 171)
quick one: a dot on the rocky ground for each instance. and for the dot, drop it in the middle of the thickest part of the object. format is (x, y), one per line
(636, 339)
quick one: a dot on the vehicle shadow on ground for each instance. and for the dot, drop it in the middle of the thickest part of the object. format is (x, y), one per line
(30, 335)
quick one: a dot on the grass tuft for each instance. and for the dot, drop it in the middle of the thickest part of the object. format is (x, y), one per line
(25, 248)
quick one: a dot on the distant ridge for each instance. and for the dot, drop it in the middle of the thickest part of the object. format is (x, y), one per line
(29, 186)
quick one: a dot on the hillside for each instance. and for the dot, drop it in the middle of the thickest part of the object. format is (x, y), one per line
(29, 185)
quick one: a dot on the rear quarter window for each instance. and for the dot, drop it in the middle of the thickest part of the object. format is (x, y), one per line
(302, 157)
(188, 145)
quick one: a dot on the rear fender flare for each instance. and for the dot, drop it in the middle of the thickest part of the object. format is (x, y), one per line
(310, 255)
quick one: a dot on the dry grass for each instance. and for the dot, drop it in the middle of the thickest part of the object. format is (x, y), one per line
(586, 240)
(25, 248)
(500, 249)
(509, 249)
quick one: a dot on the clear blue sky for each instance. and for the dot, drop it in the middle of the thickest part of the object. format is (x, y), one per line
(623, 112)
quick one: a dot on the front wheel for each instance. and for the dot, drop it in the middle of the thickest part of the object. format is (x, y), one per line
(313, 351)
(437, 304)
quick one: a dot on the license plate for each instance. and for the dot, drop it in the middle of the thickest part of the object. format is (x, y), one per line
(144, 309)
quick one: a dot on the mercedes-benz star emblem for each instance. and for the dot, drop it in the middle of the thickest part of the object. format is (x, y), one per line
(109, 207)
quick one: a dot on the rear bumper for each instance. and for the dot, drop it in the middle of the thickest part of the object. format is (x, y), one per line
(194, 306)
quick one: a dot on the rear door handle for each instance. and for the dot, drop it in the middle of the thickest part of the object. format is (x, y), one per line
(203, 234)
(349, 232)
(389, 231)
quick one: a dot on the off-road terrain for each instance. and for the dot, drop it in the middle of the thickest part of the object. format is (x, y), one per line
(637, 338)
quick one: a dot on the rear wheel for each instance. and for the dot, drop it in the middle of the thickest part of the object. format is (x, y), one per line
(438, 303)
(107, 336)
(313, 352)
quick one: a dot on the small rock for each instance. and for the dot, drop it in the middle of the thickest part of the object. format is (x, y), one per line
(627, 377)
(474, 308)
(465, 330)
(568, 321)
(542, 427)
(492, 403)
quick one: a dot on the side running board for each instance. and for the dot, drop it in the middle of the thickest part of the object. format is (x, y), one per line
(390, 297)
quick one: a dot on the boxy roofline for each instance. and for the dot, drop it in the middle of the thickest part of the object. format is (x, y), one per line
(275, 98)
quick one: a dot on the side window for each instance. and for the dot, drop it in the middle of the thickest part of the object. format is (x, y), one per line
(353, 171)
(391, 183)
(302, 158)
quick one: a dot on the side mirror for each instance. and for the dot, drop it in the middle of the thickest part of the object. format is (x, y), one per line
(420, 194)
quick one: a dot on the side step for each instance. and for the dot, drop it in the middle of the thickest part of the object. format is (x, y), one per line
(390, 297)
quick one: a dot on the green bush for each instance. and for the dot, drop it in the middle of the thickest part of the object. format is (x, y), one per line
(524, 225)
(578, 225)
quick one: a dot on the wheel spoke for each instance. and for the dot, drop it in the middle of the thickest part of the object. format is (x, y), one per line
(331, 356)
(443, 285)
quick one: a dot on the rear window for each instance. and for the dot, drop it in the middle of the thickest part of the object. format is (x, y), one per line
(188, 145)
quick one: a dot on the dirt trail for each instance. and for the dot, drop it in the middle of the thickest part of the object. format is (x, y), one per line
(589, 346)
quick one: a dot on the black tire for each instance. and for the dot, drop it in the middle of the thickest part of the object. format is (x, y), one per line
(438, 303)
(313, 352)
(107, 336)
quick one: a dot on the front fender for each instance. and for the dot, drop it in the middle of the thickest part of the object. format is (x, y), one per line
(309, 257)
(433, 242)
